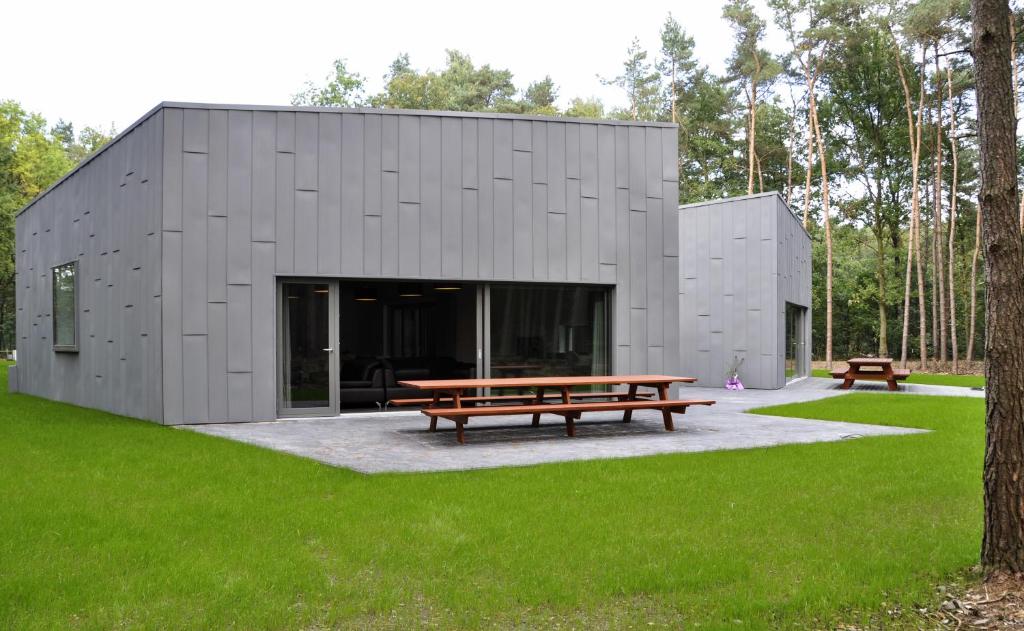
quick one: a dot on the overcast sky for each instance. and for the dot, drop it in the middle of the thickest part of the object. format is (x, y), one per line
(102, 62)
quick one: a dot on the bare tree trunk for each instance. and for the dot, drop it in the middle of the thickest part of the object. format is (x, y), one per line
(811, 80)
(828, 233)
(751, 131)
(1002, 547)
(923, 339)
(974, 286)
(789, 156)
(1016, 100)
(937, 242)
(760, 177)
(954, 346)
(914, 241)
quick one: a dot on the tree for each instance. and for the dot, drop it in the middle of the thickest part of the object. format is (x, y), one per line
(708, 125)
(343, 89)
(952, 220)
(640, 83)
(1002, 548)
(585, 108)
(751, 66)
(540, 96)
(676, 63)
(460, 87)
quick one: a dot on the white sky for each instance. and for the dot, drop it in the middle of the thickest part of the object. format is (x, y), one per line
(104, 61)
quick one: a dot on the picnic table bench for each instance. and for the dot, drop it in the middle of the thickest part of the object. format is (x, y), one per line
(871, 369)
(448, 399)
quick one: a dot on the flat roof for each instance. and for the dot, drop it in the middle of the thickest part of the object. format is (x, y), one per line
(334, 110)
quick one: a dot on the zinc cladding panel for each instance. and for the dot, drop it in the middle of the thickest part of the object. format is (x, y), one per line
(473, 198)
(110, 204)
(737, 279)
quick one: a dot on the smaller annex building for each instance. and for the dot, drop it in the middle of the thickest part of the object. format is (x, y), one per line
(237, 263)
(744, 291)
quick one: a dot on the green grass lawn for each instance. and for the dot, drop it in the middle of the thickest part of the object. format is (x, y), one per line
(932, 379)
(108, 522)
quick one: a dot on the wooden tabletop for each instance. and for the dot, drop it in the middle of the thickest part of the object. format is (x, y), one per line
(869, 361)
(543, 382)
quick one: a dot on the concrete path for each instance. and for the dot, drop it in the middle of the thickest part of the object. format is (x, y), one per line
(399, 441)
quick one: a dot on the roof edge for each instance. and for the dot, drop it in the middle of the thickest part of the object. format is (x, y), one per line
(723, 200)
(92, 156)
(442, 113)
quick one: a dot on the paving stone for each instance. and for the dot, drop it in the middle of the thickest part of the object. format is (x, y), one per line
(399, 440)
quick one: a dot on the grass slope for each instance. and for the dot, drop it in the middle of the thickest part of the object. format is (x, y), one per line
(109, 522)
(931, 379)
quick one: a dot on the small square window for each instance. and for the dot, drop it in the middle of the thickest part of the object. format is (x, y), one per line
(65, 307)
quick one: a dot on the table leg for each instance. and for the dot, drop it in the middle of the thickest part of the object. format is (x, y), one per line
(627, 416)
(851, 376)
(666, 413)
(570, 425)
(889, 378)
(460, 434)
(436, 403)
(537, 401)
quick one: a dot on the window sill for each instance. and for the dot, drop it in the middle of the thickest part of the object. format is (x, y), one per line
(65, 349)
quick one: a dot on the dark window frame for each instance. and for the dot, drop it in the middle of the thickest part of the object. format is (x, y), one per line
(64, 348)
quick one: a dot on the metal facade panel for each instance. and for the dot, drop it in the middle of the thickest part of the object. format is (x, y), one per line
(588, 161)
(556, 175)
(430, 193)
(572, 152)
(606, 191)
(196, 131)
(539, 145)
(264, 368)
(217, 193)
(196, 383)
(470, 157)
(305, 233)
(408, 239)
(409, 159)
(352, 197)
(502, 149)
(573, 231)
(171, 331)
(590, 226)
(451, 197)
(286, 132)
(540, 228)
(306, 138)
(637, 172)
(389, 144)
(556, 247)
(217, 359)
(522, 135)
(264, 180)
(239, 196)
(372, 255)
(194, 244)
(485, 198)
(522, 228)
(504, 228)
(389, 224)
(470, 246)
(172, 159)
(240, 315)
(334, 173)
(284, 211)
(372, 170)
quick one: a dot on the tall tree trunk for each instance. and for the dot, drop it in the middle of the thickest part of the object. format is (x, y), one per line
(751, 131)
(954, 349)
(1016, 86)
(883, 319)
(974, 286)
(674, 119)
(789, 157)
(940, 269)
(914, 240)
(811, 81)
(1002, 547)
(923, 339)
(828, 232)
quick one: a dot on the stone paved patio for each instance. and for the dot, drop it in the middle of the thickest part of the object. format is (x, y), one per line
(399, 441)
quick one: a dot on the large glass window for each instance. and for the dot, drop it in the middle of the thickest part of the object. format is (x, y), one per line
(796, 366)
(65, 307)
(539, 330)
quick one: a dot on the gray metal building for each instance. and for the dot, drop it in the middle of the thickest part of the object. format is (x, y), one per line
(744, 291)
(241, 263)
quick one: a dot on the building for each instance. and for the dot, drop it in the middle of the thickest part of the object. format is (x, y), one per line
(241, 263)
(744, 291)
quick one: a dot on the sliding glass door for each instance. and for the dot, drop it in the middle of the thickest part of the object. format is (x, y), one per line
(307, 336)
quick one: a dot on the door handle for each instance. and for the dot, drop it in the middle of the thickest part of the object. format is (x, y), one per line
(329, 350)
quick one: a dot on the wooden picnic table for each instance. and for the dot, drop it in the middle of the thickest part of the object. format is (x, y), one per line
(871, 369)
(448, 396)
